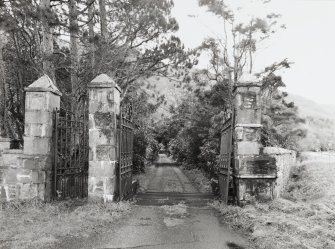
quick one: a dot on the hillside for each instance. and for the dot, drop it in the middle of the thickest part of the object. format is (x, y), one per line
(171, 90)
(320, 123)
(310, 108)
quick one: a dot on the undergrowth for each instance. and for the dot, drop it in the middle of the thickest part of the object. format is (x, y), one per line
(198, 178)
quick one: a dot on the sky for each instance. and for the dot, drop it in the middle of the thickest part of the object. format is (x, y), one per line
(308, 40)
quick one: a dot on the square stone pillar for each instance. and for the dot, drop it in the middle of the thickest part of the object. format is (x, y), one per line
(4, 144)
(104, 105)
(254, 173)
(42, 98)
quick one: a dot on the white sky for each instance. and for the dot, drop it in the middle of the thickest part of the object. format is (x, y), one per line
(308, 41)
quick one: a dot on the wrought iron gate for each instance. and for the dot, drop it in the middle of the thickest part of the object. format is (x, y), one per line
(125, 151)
(70, 155)
(226, 150)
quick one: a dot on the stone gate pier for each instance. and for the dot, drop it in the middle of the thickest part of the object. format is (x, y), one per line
(104, 105)
(258, 173)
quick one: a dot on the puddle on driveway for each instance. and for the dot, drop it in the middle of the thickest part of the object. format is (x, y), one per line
(232, 245)
(175, 213)
(172, 222)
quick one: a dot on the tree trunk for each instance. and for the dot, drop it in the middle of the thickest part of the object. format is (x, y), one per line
(47, 42)
(74, 50)
(91, 33)
(3, 96)
(103, 19)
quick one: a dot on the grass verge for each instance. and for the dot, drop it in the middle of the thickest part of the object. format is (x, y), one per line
(34, 224)
(303, 219)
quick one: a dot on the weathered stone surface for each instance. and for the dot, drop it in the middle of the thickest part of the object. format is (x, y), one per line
(117, 99)
(100, 100)
(38, 117)
(251, 134)
(2, 172)
(257, 165)
(96, 138)
(104, 102)
(284, 161)
(48, 175)
(12, 191)
(248, 148)
(4, 144)
(10, 157)
(41, 188)
(37, 145)
(248, 116)
(10, 176)
(41, 101)
(24, 175)
(36, 101)
(277, 151)
(102, 187)
(102, 168)
(104, 120)
(91, 122)
(53, 101)
(31, 163)
(248, 100)
(250, 190)
(102, 81)
(105, 153)
(28, 191)
(38, 130)
(43, 84)
(3, 195)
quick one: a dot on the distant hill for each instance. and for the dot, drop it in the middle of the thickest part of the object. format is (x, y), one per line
(320, 123)
(171, 90)
(308, 107)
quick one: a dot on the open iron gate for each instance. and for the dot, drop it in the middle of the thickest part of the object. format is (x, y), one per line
(125, 151)
(70, 155)
(225, 160)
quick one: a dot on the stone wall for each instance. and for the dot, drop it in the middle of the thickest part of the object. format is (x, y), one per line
(26, 174)
(284, 161)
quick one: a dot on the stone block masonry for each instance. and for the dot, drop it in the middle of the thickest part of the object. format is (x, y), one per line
(26, 174)
(284, 160)
(259, 173)
(104, 105)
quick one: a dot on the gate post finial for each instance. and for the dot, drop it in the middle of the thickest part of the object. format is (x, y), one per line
(104, 104)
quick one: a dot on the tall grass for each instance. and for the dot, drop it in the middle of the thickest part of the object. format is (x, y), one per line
(34, 224)
(303, 218)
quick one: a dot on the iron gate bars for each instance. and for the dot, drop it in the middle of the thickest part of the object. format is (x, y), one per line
(70, 155)
(125, 151)
(226, 149)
